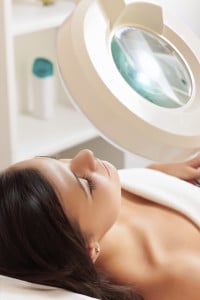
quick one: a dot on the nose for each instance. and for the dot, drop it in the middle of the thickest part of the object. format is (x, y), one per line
(85, 159)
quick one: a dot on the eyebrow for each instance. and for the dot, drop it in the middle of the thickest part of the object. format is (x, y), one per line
(80, 184)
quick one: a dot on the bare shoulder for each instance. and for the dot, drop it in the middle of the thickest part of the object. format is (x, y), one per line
(177, 277)
(180, 279)
(186, 273)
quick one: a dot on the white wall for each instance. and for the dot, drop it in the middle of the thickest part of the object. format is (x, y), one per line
(187, 11)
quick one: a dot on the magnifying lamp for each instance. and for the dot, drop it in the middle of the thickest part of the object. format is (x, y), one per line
(134, 72)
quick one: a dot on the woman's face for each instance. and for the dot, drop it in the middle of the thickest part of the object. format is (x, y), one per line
(88, 188)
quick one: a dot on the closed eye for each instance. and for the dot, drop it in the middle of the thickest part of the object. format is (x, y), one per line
(89, 180)
(80, 183)
(90, 183)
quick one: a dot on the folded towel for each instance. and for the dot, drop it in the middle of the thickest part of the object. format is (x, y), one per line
(163, 189)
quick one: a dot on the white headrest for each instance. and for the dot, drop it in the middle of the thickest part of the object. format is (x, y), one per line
(14, 289)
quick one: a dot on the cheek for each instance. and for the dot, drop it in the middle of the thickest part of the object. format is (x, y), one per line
(111, 199)
(114, 188)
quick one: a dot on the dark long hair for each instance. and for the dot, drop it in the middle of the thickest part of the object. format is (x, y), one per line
(39, 244)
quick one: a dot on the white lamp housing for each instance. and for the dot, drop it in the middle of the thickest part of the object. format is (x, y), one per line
(134, 72)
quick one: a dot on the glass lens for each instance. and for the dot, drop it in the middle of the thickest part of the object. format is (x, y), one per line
(151, 67)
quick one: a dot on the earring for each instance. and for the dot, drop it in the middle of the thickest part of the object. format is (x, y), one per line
(97, 249)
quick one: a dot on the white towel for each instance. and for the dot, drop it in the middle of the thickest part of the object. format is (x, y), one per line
(163, 189)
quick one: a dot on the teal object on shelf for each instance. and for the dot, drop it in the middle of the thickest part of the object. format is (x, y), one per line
(43, 88)
(42, 67)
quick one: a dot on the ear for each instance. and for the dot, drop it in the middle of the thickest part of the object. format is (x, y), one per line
(94, 251)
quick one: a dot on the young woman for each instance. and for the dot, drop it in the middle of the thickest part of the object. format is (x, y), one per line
(65, 222)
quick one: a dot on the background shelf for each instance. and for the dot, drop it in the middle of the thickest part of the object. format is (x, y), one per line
(66, 129)
(28, 30)
(30, 16)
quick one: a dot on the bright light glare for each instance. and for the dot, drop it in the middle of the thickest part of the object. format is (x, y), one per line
(149, 66)
(143, 79)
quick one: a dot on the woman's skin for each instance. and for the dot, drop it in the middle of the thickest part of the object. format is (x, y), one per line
(143, 244)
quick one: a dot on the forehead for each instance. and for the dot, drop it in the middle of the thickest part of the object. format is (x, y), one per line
(61, 179)
(57, 173)
(47, 166)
